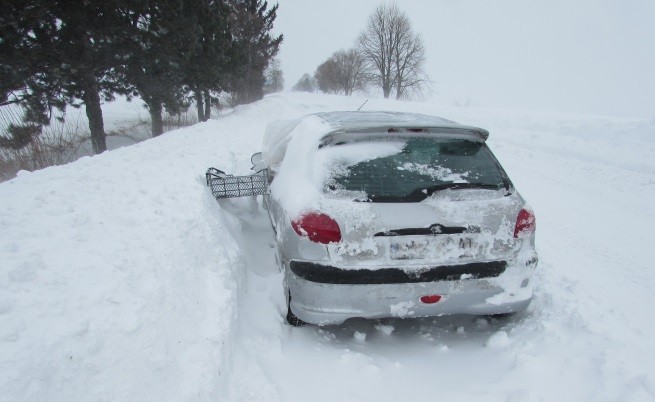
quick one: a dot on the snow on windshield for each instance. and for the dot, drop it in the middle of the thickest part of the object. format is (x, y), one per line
(440, 173)
(336, 159)
(405, 169)
(350, 154)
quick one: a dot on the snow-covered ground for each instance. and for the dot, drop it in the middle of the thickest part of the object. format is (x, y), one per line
(121, 278)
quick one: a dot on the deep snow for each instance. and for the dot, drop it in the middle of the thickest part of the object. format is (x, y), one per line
(121, 278)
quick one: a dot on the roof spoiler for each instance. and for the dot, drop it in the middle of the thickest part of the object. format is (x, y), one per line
(455, 130)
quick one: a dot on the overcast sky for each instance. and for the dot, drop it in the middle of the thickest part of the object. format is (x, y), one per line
(595, 56)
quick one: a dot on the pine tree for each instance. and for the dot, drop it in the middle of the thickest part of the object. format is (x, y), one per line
(213, 61)
(180, 46)
(55, 53)
(253, 26)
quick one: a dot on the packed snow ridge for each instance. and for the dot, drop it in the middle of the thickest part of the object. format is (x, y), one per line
(122, 279)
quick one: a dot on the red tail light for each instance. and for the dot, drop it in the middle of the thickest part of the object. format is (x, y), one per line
(525, 224)
(430, 299)
(320, 228)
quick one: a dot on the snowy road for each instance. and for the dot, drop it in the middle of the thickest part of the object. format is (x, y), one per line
(121, 279)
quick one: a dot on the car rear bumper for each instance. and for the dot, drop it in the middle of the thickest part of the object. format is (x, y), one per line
(320, 273)
(339, 293)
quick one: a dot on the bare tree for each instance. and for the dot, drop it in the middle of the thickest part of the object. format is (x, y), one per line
(343, 72)
(392, 51)
(305, 84)
(326, 77)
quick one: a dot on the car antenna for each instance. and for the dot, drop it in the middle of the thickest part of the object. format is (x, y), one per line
(362, 105)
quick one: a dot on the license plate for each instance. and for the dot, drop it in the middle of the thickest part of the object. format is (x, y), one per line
(430, 248)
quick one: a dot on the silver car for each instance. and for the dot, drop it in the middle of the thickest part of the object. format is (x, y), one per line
(382, 214)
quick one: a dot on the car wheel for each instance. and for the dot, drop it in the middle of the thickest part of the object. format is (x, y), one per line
(500, 316)
(291, 318)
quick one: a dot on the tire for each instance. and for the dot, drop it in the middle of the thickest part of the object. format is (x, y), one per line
(291, 318)
(500, 316)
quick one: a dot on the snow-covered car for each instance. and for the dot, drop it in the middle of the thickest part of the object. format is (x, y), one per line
(381, 214)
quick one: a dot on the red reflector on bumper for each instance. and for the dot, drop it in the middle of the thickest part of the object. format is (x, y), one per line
(431, 299)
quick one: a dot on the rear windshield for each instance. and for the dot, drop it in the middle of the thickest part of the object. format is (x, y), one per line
(410, 169)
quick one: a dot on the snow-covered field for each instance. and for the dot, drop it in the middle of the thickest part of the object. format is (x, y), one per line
(122, 279)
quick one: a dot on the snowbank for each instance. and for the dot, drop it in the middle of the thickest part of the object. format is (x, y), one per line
(118, 279)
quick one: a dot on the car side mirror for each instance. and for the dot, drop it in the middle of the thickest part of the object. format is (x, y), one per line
(256, 159)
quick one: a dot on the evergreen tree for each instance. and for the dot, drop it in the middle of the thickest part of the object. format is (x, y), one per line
(180, 47)
(57, 52)
(213, 61)
(160, 33)
(253, 25)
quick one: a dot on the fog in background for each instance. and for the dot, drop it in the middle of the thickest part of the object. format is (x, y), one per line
(576, 56)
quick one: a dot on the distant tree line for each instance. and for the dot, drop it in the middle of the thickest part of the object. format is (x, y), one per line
(169, 53)
(387, 55)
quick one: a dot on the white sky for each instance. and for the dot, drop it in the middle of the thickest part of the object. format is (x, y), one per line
(595, 56)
